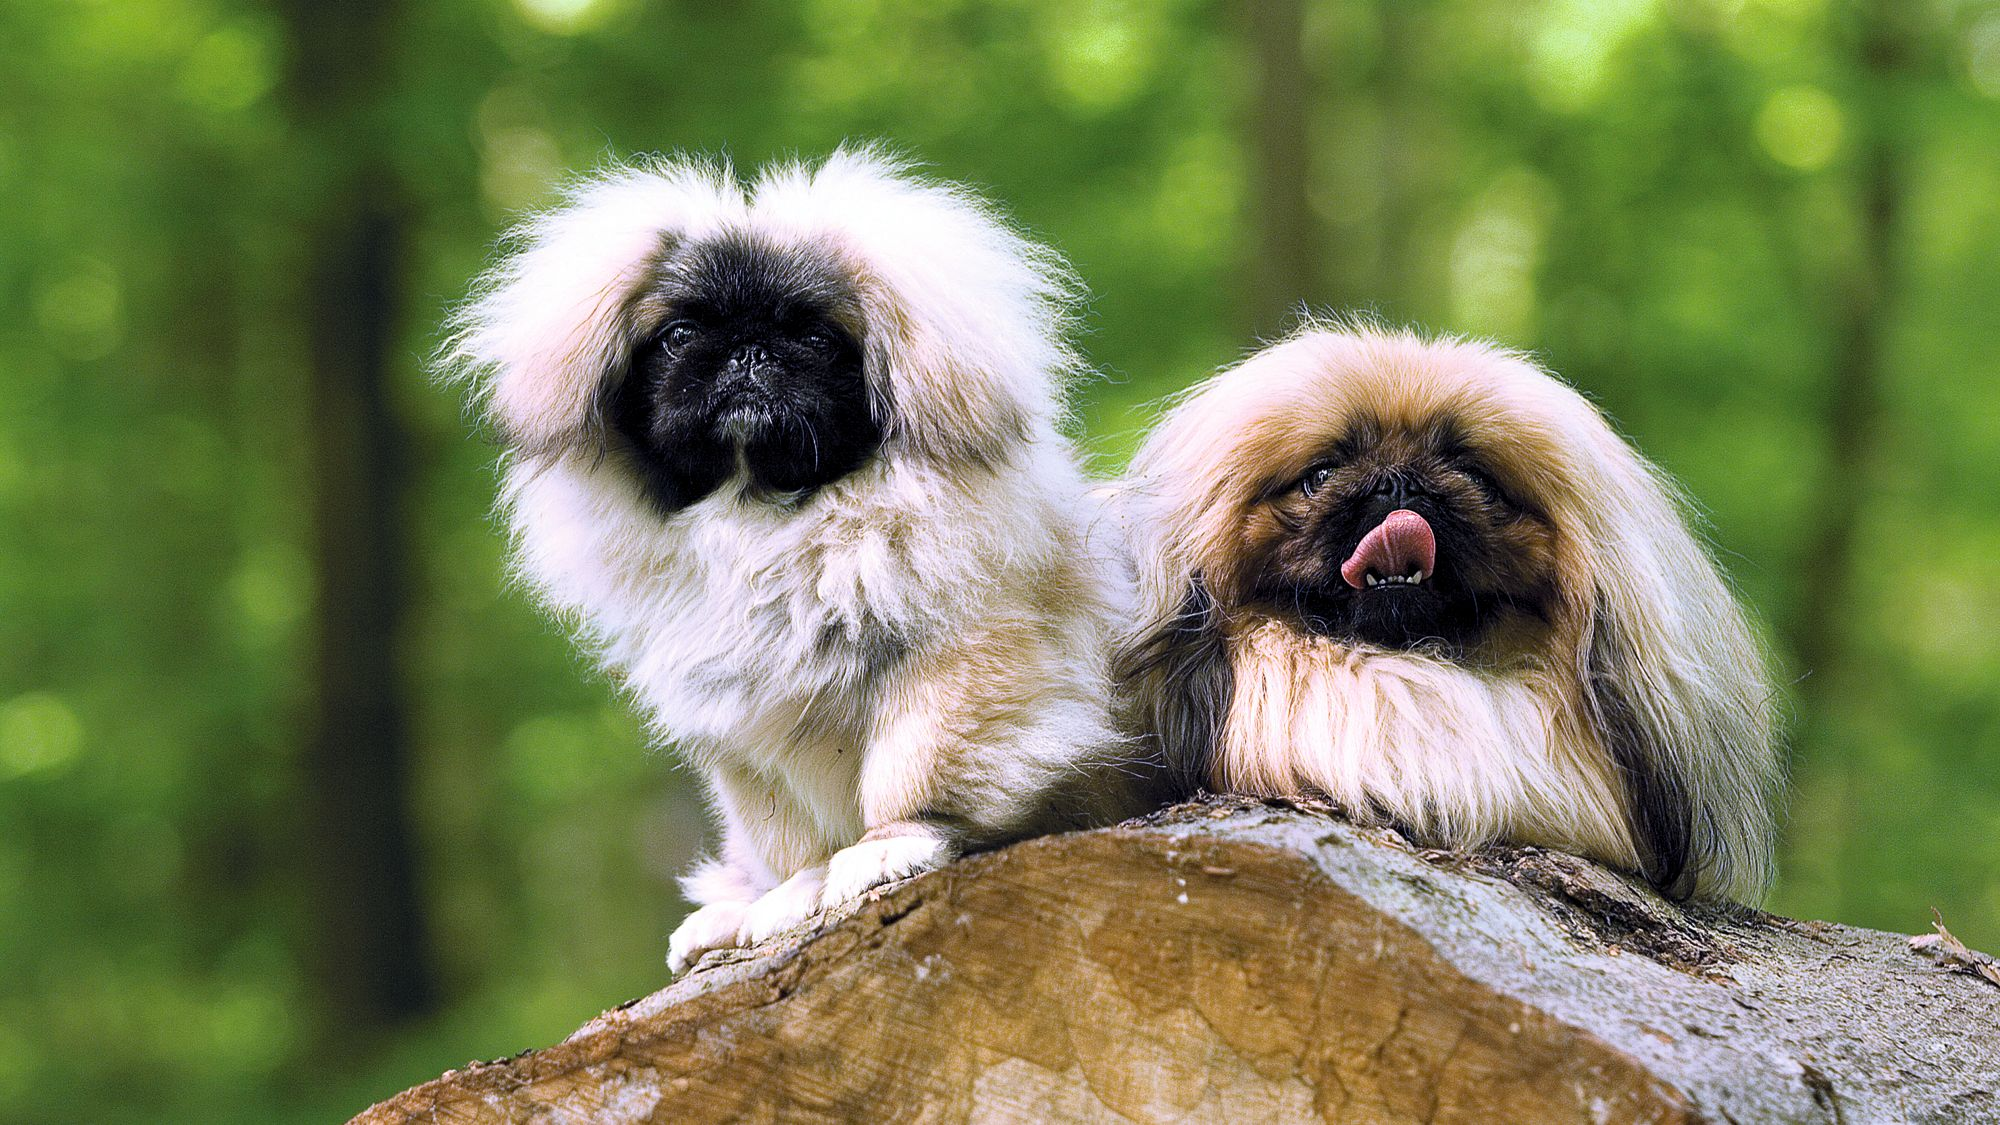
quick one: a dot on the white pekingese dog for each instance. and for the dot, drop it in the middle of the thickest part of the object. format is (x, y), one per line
(787, 453)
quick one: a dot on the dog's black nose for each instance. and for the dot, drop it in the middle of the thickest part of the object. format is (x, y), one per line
(1394, 490)
(749, 361)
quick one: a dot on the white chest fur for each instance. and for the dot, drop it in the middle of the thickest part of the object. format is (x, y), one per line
(757, 635)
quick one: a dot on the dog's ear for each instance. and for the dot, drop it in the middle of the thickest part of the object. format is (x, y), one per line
(1178, 681)
(964, 316)
(1660, 805)
(1680, 706)
(553, 322)
(1666, 664)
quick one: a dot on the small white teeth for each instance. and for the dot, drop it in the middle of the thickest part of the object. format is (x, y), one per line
(1414, 578)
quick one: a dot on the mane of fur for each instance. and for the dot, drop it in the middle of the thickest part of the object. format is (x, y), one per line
(947, 608)
(1648, 716)
(1449, 754)
(555, 314)
(964, 317)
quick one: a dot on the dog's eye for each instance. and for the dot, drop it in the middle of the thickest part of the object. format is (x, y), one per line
(676, 336)
(822, 340)
(1484, 480)
(1315, 479)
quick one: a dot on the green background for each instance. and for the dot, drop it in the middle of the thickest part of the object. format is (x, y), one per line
(1764, 234)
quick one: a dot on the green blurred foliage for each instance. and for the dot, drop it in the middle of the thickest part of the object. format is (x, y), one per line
(1658, 197)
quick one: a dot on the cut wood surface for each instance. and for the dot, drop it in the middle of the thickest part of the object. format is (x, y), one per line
(1241, 961)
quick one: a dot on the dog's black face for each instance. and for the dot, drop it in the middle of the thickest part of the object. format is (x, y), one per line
(751, 368)
(1401, 538)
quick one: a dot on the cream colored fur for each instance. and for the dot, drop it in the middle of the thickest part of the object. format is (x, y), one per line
(1456, 755)
(916, 652)
(1513, 748)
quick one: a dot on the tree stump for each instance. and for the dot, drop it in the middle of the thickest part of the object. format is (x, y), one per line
(1234, 960)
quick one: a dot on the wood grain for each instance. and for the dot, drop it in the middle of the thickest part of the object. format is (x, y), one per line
(1241, 961)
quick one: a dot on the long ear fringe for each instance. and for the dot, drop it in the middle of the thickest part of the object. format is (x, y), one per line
(1672, 664)
(548, 321)
(968, 318)
(1669, 666)
(1177, 678)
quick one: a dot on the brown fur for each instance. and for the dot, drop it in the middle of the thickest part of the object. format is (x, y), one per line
(1617, 707)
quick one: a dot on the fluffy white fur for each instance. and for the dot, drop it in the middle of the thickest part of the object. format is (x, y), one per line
(1517, 747)
(1456, 755)
(912, 660)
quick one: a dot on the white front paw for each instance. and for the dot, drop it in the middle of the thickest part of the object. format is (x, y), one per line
(714, 926)
(855, 870)
(782, 907)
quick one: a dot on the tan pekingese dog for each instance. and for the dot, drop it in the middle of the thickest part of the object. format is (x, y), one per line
(788, 455)
(1427, 580)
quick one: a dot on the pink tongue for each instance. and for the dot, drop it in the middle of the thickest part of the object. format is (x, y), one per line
(1401, 545)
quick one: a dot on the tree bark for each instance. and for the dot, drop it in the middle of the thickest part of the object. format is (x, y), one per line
(1237, 960)
(369, 945)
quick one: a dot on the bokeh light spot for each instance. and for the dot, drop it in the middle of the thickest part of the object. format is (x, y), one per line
(252, 1024)
(228, 69)
(269, 593)
(1101, 60)
(1801, 127)
(19, 1060)
(1570, 57)
(1199, 190)
(550, 758)
(38, 733)
(564, 17)
(519, 168)
(1495, 257)
(1982, 55)
(82, 309)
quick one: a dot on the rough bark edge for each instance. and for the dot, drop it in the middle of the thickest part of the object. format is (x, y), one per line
(1736, 1015)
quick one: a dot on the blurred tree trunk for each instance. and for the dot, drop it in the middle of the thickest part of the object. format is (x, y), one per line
(1399, 284)
(1861, 297)
(370, 956)
(1286, 245)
